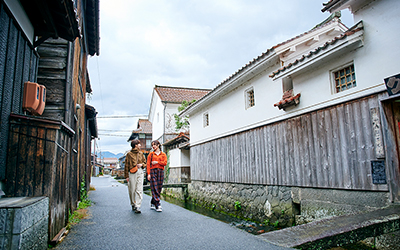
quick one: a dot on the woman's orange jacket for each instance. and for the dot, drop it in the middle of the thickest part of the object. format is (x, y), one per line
(161, 158)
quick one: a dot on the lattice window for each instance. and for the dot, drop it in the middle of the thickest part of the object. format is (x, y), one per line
(250, 100)
(206, 120)
(345, 78)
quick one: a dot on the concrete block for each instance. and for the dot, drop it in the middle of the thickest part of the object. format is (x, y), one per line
(358, 198)
(24, 223)
(337, 231)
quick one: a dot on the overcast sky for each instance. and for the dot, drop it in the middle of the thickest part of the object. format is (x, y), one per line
(181, 43)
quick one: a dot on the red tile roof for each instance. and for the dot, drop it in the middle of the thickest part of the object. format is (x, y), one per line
(145, 126)
(179, 139)
(293, 100)
(317, 50)
(178, 94)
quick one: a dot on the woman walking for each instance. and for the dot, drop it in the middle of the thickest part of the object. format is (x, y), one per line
(135, 162)
(156, 161)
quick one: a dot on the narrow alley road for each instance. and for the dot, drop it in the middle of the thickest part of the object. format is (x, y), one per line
(113, 225)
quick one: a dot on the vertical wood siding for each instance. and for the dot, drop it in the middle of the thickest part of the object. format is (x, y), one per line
(37, 166)
(329, 148)
(18, 64)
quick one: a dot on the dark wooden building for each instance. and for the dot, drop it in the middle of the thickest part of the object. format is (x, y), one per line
(47, 42)
(143, 133)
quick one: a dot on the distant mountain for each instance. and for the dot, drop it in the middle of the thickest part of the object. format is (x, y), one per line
(108, 154)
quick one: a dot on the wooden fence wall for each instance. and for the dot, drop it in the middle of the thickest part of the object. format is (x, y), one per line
(329, 148)
(38, 165)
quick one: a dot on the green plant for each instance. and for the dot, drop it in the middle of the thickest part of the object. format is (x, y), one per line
(182, 123)
(167, 169)
(283, 211)
(238, 205)
(83, 192)
(276, 224)
(266, 221)
(80, 213)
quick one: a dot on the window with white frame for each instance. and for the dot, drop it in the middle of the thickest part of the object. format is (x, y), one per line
(206, 120)
(249, 96)
(344, 78)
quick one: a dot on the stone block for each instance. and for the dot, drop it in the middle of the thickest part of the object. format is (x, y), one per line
(4, 221)
(24, 223)
(296, 195)
(337, 231)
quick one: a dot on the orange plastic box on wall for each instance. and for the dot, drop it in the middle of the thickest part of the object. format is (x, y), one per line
(34, 98)
(42, 100)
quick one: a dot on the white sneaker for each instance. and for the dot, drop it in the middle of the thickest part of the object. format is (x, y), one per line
(159, 209)
(152, 207)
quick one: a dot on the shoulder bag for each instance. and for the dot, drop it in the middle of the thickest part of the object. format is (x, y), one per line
(135, 168)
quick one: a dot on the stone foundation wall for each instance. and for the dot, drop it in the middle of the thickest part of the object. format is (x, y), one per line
(255, 202)
(285, 205)
(24, 223)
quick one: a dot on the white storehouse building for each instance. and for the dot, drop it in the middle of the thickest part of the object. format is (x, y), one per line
(309, 125)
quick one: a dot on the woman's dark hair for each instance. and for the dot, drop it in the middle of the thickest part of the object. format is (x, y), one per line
(157, 143)
(134, 143)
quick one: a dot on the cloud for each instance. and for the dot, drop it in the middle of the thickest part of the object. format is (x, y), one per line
(181, 43)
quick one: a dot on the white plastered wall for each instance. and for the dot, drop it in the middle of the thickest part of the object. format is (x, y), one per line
(374, 61)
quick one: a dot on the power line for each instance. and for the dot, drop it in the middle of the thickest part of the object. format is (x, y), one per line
(115, 135)
(121, 116)
(110, 130)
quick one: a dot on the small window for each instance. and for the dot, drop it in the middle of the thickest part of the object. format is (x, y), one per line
(249, 95)
(345, 78)
(206, 120)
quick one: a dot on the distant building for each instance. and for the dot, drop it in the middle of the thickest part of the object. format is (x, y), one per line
(179, 158)
(143, 133)
(111, 163)
(164, 104)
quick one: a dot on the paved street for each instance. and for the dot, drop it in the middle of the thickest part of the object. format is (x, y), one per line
(112, 225)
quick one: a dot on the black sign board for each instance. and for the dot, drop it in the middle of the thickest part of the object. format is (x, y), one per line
(378, 172)
(393, 84)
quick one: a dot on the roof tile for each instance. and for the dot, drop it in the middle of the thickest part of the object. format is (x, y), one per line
(178, 94)
(315, 51)
(145, 126)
